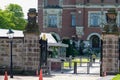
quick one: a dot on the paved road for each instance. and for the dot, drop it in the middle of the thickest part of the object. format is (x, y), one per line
(68, 75)
(61, 77)
(94, 69)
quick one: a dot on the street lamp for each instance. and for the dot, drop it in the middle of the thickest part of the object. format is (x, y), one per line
(10, 34)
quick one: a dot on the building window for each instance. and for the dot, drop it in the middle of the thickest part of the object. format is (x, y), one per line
(95, 41)
(94, 19)
(60, 3)
(118, 21)
(73, 20)
(52, 20)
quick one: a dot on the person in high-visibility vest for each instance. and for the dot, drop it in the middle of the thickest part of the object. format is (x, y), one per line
(93, 57)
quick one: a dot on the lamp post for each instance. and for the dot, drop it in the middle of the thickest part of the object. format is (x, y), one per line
(10, 34)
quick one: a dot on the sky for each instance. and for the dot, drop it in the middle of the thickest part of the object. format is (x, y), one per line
(25, 4)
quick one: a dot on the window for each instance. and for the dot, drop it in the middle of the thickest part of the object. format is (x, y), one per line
(60, 2)
(118, 22)
(95, 41)
(52, 20)
(94, 19)
(73, 20)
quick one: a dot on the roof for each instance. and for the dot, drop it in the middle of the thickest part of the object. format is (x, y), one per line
(58, 44)
(50, 38)
(18, 33)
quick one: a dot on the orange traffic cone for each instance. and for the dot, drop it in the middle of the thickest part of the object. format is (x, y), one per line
(40, 76)
(6, 76)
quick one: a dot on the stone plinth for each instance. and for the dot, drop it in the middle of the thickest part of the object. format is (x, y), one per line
(110, 57)
(31, 51)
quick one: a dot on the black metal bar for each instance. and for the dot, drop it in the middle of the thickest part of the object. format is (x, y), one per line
(119, 47)
(75, 67)
(88, 67)
(101, 57)
(40, 57)
(46, 51)
(11, 62)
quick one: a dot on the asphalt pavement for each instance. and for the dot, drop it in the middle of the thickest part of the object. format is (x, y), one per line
(68, 74)
(61, 77)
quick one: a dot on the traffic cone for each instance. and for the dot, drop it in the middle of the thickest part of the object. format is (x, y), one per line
(40, 76)
(6, 76)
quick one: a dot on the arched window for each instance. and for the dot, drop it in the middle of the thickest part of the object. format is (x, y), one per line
(95, 41)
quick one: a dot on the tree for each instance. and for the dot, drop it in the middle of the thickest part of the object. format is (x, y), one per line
(12, 17)
(16, 9)
(5, 21)
(70, 49)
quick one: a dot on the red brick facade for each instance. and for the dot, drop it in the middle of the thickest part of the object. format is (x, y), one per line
(82, 10)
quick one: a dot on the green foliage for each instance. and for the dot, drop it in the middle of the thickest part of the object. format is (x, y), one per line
(12, 17)
(87, 52)
(75, 52)
(69, 49)
(117, 77)
(4, 19)
(55, 37)
(15, 9)
(55, 53)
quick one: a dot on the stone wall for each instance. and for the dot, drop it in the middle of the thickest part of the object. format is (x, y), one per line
(25, 52)
(17, 52)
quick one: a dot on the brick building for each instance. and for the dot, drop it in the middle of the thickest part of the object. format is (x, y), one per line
(83, 19)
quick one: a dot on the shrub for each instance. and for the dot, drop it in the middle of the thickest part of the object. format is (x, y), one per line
(117, 77)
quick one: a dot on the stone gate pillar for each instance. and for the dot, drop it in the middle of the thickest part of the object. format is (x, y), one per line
(110, 57)
(31, 51)
(31, 43)
(110, 45)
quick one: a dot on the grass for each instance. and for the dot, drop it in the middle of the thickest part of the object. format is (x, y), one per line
(117, 77)
(84, 60)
